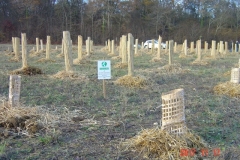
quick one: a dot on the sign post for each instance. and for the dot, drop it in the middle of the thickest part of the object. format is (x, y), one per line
(104, 72)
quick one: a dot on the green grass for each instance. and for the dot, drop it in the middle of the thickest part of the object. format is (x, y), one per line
(215, 118)
(2, 148)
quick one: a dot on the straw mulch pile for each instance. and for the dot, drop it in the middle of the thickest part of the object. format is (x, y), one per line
(71, 75)
(227, 74)
(27, 71)
(33, 54)
(14, 59)
(120, 65)
(42, 60)
(117, 57)
(9, 53)
(159, 144)
(173, 68)
(132, 82)
(60, 55)
(20, 119)
(228, 88)
(155, 59)
(201, 63)
(104, 49)
(77, 61)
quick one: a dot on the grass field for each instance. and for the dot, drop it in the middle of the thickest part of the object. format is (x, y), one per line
(125, 112)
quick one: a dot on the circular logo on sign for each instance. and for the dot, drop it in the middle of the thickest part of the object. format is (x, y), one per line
(104, 64)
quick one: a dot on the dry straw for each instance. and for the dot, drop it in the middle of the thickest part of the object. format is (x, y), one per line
(132, 82)
(60, 55)
(227, 74)
(116, 58)
(27, 71)
(120, 65)
(20, 118)
(43, 60)
(200, 62)
(228, 88)
(71, 75)
(174, 68)
(157, 143)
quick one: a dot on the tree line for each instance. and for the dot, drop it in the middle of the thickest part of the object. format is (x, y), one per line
(110, 19)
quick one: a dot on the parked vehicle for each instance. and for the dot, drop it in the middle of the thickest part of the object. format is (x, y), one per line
(148, 44)
(139, 46)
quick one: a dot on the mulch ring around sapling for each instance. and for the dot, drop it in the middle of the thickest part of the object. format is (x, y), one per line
(159, 144)
(60, 55)
(14, 59)
(227, 74)
(70, 74)
(132, 82)
(35, 53)
(173, 68)
(120, 65)
(116, 58)
(155, 59)
(27, 71)
(228, 88)
(44, 60)
(200, 63)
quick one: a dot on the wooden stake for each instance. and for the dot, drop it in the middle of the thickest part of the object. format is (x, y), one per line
(48, 47)
(14, 90)
(113, 49)
(213, 51)
(41, 42)
(17, 45)
(153, 46)
(159, 47)
(104, 89)
(24, 50)
(124, 49)
(130, 55)
(37, 44)
(79, 47)
(170, 51)
(136, 46)
(185, 47)
(67, 49)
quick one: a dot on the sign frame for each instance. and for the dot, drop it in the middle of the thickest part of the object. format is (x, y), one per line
(104, 69)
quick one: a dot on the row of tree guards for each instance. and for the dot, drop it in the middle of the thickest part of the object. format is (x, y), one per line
(123, 49)
(216, 48)
(173, 117)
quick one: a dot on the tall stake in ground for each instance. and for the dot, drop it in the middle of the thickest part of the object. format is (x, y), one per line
(48, 47)
(159, 47)
(41, 42)
(136, 46)
(14, 90)
(113, 49)
(130, 55)
(37, 44)
(213, 51)
(17, 45)
(170, 51)
(67, 48)
(192, 47)
(124, 49)
(185, 47)
(88, 46)
(79, 47)
(13, 44)
(24, 50)
(153, 46)
(199, 50)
